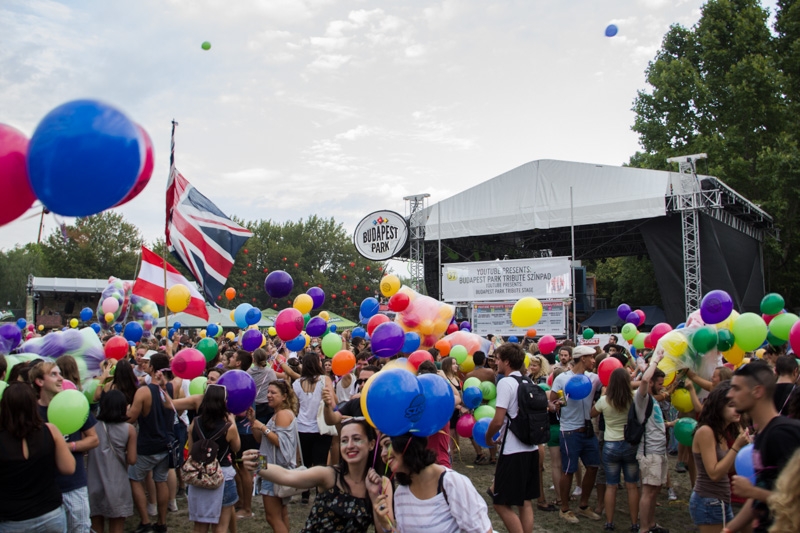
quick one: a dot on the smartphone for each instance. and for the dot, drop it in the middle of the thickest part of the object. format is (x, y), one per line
(262, 461)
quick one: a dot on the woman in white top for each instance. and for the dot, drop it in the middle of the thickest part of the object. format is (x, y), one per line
(308, 390)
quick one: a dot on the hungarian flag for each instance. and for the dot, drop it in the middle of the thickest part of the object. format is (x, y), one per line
(150, 283)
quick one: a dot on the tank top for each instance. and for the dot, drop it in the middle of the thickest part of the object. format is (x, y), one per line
(28, 486)
(336, 510)
(309, 405)
(154, 428)
(704, 486)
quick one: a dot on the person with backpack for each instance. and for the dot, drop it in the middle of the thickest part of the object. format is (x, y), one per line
(521, 417)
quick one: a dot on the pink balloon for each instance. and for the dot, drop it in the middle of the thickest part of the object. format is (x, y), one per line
(110, 305)
(188, 364)
(794, 335)
(547, 344)
(659, 330)
(464, 425)
(68, 385)
(606, 367)
(289, 324)
(641, 316)
(17, 191)
(146, 171)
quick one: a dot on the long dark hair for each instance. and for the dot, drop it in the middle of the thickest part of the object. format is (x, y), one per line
(19, 414)
(113, 407)
(713, 409)
(213, 408)
(416, 456)
(312, 368)
(125, 380)
(343, 468)
(619, 394)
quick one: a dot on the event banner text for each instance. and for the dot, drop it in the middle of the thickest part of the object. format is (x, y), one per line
(495, 318)
(510, 280)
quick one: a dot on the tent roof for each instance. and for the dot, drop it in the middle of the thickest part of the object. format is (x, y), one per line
(95, 286)
(607, 318)
(536, 195)
(340, 321)
(219, 316)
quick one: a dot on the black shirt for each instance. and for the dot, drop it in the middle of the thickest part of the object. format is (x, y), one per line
(772, 449)
(782, 392)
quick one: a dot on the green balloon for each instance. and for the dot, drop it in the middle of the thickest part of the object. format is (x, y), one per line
(780, 326)
(489, 390)
(306, 318)
(68, 411)
(483, 411)
(588, 333)
(772, 304)
(3, 386)
(219, 332)
(206, 45)
(684, 430)
(472, 382)
(11, 361)
(704, 339)
(725, 340)
(208, 347)
(750, 331)
(638, 341)
(545, 387)
(198, 385)
(628, 331)
(90, 388)
(459, 353)
(492, 403)
(774, 341)
(331, 344)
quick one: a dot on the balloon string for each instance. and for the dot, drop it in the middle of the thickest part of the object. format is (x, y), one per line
(455, 442)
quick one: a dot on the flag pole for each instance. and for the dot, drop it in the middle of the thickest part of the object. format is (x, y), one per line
(166, 223)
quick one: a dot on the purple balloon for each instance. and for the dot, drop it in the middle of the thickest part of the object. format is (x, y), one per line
(465, 326)
(317, 296)
(623, 311)
(278, 284)
(316, 327)
(632, 318)
(251, 340)
(715, 307)
(10, 337)
(388, 339)
(241, 390)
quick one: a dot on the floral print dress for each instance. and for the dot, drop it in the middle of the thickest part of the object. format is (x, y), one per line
(336, 510)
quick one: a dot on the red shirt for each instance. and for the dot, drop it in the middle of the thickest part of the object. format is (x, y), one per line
(439, 442)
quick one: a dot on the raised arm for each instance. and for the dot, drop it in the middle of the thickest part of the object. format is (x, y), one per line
(317, 476)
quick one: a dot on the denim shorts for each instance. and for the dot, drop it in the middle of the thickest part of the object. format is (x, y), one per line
(619, 456)
(708, 511)
(229, 494)
(54, 521)
(158, 463)
(577, 445)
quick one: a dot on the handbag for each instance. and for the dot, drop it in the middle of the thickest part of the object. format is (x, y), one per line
(285, 491)
(204, 475)
(324, 429)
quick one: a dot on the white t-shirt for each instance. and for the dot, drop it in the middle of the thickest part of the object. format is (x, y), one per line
(309, 405)
(576, 412)
(507, 399)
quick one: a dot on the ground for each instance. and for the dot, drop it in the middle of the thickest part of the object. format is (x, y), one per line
(672, 515)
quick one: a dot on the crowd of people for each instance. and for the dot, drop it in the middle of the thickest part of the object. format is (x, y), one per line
(306, 438)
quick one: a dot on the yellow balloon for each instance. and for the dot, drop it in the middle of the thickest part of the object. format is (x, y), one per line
(73, 323)
(527, 360)
(390, 285)
(760, 353)
(526, 312)
(469, 365)
(364, 392)
(230, 336)
(324, 315)
(682, 400)
(674, 343)
(734, 356)
(728, 322)
(263, 341)
(303, 303)
(232, 320)
(669, 378)
(307, 338)
(41, 327)
(202, 334)
(109, 318)
(667, 365)
(426, 327)
(178, 298)
(164, 332)
(402, 364)
(272, 331)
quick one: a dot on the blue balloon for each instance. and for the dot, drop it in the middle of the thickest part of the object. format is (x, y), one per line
(212, 330)
(611, 30)
(96, 327)
(240, 315)
(133, 332)
(316, 327)
(411, 342)
(170, 334)
(131, 344)
(86, 314)
(439, 404)
(369, 307)
(395, 401)
(21, 323)
(744, 463)
(84, 157)
(472, 397)
(296, 344)
(177, 325)
(358, 333)
(633, 351)
(253, 316)
(332, 328)
(681, 325)
(479, 431)
(578, 387)
(513, 339)
(118, 328)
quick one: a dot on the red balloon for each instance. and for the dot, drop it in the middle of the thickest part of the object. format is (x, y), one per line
(641, 316)
(398, 302)
(376, 321)
(289, 324)
(147, 168)
(14, 183)
(419, 357)
(452, 328)
(550, 380)
(794, 334)
(547, 344)
(648, 341)
(117, 347)
(606, 367)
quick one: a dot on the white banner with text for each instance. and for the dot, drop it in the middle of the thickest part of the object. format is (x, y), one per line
(492, 281)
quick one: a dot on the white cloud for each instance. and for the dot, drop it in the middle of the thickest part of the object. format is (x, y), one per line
(329, 62)
(358, 132)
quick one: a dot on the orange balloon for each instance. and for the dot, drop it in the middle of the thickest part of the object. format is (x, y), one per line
(230, 293)
(531, 333)
(343, 362)
(443, 346)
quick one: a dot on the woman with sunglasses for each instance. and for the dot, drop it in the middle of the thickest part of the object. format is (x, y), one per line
(278, 444)
(343, 492)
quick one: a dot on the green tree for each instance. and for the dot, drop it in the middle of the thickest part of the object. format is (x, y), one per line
(94, 247)
(628, 280)
(15, 266)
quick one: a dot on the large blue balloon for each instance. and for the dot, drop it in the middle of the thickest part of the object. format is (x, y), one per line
(296, 344)
(133, 332)
(479, 431)
(358, 333)
(369, 307)
(86, 314)
(439, 404)
(252, 317)
(578, 387)
(84, 157)
(472, 397)
(316, 327)
(395, 401)
(240, 315)
(744, 463)
(411, 342)
(212, 330)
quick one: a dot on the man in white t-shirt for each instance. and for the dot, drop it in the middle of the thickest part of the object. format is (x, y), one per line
(516, 478)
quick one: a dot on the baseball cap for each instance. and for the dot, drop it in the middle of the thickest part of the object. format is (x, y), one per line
(580, 351)
(149, 353)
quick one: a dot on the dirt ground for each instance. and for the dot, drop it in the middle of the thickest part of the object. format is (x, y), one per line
(672, 515)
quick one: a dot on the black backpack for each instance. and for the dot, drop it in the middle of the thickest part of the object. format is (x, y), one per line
(634, 430)
(204, 450)
(532, 423)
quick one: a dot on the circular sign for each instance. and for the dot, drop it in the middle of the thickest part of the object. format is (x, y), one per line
(381, 235)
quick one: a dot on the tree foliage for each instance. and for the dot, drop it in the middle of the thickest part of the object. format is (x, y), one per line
(628, 280)
(15, 266)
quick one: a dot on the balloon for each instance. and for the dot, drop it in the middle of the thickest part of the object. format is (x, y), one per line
(629, 332)
(547, 344)
(464, 425)
(472, 382)
(332, 344)
(206, 45)
(744, 463)
(86, 314)
(479, 430)
(89, 388)
(725, 340)
(704, 339)
(684, 430)
(544, 386)
(146, 171)
(177, 325)
(96, 327)
(526, 312)
(278, 284)
(438, 407)
(715, 307)
(728, 322)
(212, 330)
(316, 327)
(375, 321)
(230, 293)
(781, 325)
(658, 331)
(241, 390)
(188, 363)
(387, 339)
(296, 344)
(317, 297)
(578, 387)
(198, 385)
(489, 390)
(178, 298)
(794, 335)
(390, 285)
(459, 353)
(411, 342)
(623, 311)
(588, 333)
(83, 158)
(513, 339)
(606, 367)
(343, 362)
(633, 318)
(466, 326)
(68, 385)
(288, 324)
(734, 356)
(772, 304)
(133, 332)
(251, 340)
(443, 347)
(394, 401)
(240, 315)
(484, 411)
(110, 305)
(252, 316)
(68, 411)
(230, 336)
(14, 182)
(611, 30)
(303, 303)
(324, 315)
(208, 347)
(116, 348)
(639, 340)
(73, 323)
(369, 307)
(467, 366)
(750, 331)
(531, 333)
(682, 401)
(399, 302)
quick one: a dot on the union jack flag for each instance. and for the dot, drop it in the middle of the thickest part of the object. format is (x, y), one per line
(200, 236)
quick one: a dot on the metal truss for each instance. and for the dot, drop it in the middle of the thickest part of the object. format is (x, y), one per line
(415, 210)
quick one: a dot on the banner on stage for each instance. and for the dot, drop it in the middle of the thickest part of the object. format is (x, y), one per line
(495, 318)
(510, 280)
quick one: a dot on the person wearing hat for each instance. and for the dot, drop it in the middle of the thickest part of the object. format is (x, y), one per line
(577, 440)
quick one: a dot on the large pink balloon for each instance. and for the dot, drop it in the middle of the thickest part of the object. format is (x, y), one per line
(289, 324)
(188, 363)
(147, 168)
(464, 425)
(17, 191)
(547, 344)
(794, 336)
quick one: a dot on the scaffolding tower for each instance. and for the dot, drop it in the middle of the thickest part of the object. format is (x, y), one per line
(415, 211)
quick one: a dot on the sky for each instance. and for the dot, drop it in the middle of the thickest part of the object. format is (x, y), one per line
(336, 107)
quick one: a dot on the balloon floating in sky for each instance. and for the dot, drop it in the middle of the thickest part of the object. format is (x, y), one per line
(207, 45)
(611, 30)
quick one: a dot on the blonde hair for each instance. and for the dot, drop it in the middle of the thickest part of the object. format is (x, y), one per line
(783, 501)
(544, 366)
